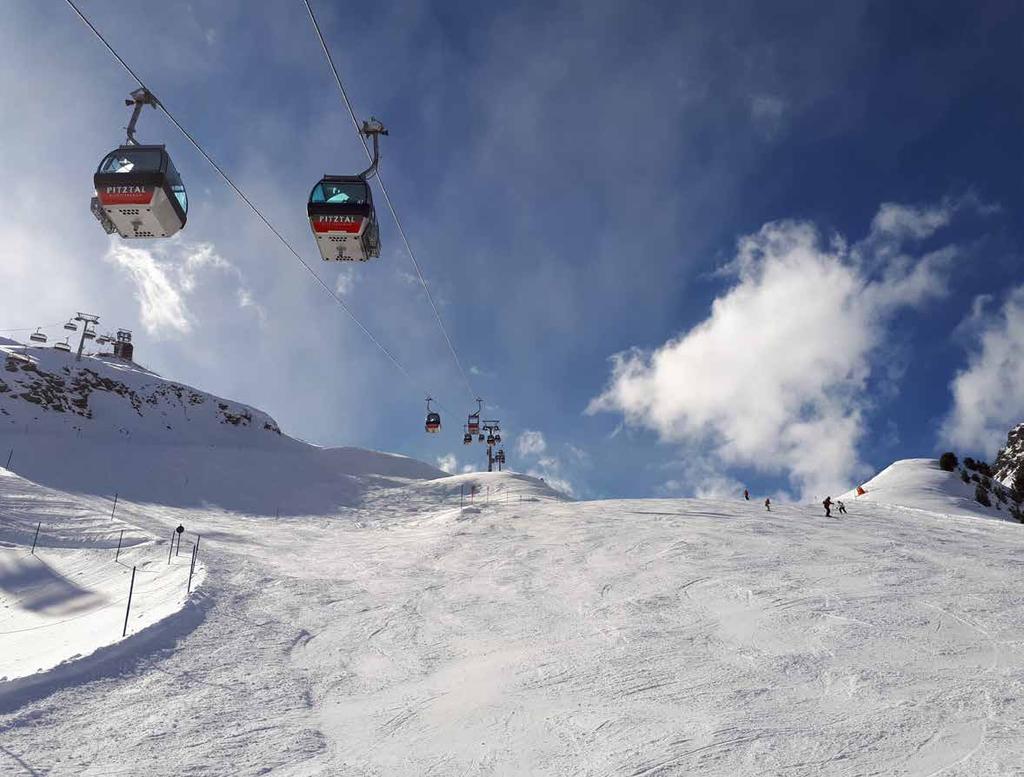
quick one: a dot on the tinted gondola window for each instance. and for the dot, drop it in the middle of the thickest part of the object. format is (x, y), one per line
(128, 160)
(340, 192)
(174, 181)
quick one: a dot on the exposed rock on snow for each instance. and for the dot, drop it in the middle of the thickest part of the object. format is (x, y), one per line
(80, 426)
(1010, 460)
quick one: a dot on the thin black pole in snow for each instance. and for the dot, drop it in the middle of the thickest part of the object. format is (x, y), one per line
(128, 609)
(115, 506)
(120, 537)
(192, 568)
(9, 455)
(36, 538)
(462, 490)
(170, 549)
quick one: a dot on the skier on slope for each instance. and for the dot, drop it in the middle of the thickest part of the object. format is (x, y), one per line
(746, 494)
(840, 507)
(827, 504)
(768, 504)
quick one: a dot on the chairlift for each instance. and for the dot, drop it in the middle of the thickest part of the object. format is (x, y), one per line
(71, 326)
(63, 346)
(341, 212)
(37, 337)
(467, 439)
(473, 424)
(490, 439)
(497, 439)
(139, 193)
(88, 334)
(433, 423)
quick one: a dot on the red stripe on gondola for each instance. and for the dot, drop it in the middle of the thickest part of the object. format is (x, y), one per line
(352, 227)
(125, 198)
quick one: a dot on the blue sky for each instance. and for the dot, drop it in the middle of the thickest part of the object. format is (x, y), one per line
(804, 219)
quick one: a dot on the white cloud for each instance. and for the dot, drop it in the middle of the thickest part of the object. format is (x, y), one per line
(167, 275)
(767, 112)
(448, 463)
(774, 378)
(987, 398)
(162, 306)
(346, 281)
(531, 443)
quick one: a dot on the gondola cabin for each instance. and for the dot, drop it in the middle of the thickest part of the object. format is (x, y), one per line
(139, 193)
(343, 220)
(433, 424)
(473, 424)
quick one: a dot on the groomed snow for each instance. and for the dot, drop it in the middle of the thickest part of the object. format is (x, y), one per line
(524, 634)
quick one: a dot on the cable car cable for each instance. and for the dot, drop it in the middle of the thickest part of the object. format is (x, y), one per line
(387, 199)
(245, 199)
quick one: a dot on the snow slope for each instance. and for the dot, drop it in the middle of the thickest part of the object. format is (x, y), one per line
(105, 426)
(66, 598)
(525, 634)
(922, 484)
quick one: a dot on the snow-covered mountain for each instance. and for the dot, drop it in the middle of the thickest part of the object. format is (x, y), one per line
(103, 425)
(474, 624)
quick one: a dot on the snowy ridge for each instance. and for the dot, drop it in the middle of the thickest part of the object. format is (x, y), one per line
(921, 484)
(104, 426)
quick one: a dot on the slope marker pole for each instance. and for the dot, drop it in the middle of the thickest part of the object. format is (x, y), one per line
(192, 568)
(36, 538)
(115, 506)
(128, 609)
(119, 538)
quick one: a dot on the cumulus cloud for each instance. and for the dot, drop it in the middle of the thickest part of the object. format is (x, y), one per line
(774, 378)
(448, 463)
(987, 398)
(531, 443)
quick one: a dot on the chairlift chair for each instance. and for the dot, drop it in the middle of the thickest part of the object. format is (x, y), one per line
(37, 337)
(71, 326)
(467, 439)
(62, 346)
